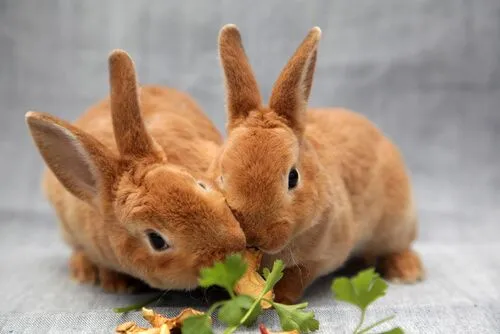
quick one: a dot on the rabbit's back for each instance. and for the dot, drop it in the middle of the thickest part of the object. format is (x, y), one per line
(369, 164)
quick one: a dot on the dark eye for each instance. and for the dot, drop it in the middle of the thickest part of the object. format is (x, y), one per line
(201, 184)
(157, 241)
(293, 178)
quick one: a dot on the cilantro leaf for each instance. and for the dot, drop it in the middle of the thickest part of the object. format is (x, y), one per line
(242, 309)
(274, 276)
(197, 324)
(396, 330)
(344, 291)
(292, 317)
(369, 287)
(138, 306)
(362, 290)
(224, 274)
(265, 273)
(231, 313)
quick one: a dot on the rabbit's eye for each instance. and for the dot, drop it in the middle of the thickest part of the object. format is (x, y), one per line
(202, 185)
(157, 241)
(293, 178)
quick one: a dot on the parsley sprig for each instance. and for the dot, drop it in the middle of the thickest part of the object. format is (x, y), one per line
(361, 291)
(244, 310)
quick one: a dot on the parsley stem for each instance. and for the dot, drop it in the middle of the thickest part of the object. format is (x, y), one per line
(135, 307)
(249, 312)
(360, 323)
(376, 324)
(230, 330)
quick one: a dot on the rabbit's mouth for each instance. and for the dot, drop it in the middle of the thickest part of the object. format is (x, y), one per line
(272, 246)
(272, 251)
(275, 238)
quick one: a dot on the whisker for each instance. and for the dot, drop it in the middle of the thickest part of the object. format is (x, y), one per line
(292, 259)
(164, 292)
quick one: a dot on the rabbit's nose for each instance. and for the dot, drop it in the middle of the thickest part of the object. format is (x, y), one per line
(251, 241)
(239, 242)
(234, 241)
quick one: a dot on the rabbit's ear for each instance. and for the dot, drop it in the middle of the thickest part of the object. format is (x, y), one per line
(81, 163)
(131, 137)
(242, 91)
(291, 91)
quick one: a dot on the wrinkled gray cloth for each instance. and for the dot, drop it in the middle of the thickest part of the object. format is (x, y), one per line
(427, 72)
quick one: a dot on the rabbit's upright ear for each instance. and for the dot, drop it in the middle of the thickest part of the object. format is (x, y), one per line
(242, 91)
(291, 91)
(81, 163)
(132, 138)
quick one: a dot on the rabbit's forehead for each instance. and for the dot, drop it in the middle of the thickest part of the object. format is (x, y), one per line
(259, 152)
(163, 194)
(174, 210)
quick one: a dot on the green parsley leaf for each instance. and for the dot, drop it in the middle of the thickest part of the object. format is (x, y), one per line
(265, 273)
(231, 313)
(197, 324)
(396, 330)
(138, 306)
(369, 287)
(274, 276)
(224, 274)
(292, 317)
(362, 290)
(344, 291)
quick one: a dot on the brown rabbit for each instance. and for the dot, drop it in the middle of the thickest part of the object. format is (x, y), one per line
(312, 187)
(125, 183)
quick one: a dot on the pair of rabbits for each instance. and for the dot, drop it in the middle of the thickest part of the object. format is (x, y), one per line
(145, 188)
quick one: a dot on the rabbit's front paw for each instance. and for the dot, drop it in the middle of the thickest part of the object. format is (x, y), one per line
(402, 267)
(115, 282)
(82, 270)
(286, 295)
(291, 287)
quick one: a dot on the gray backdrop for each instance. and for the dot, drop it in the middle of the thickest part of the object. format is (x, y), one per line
(427, 72)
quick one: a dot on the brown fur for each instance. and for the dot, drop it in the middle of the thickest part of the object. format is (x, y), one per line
(353, 196)
(131, 164)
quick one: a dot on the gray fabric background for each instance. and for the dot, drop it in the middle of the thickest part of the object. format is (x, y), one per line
(427, 72)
